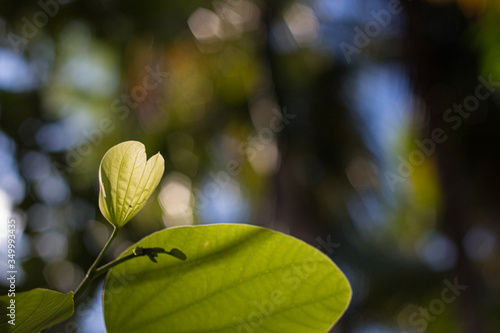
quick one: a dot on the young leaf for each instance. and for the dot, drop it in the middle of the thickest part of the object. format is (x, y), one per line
(178, 254)
(236, 278)
(34, 310)
(127, 180)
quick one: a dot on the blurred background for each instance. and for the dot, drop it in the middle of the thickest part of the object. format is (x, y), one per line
(369, 129)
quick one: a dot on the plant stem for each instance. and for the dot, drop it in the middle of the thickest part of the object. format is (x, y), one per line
(92, 270)
(103, 269)
(151, 252)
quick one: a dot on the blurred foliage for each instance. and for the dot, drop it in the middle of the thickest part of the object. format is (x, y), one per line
(209, 84)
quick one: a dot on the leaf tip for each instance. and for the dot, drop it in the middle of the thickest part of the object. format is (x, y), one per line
(178, 254)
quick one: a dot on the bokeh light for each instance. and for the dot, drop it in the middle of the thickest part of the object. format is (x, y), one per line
(316, 118)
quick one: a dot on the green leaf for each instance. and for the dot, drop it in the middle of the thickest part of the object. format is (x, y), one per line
(127, 180)
(34, 310)
(236, 278)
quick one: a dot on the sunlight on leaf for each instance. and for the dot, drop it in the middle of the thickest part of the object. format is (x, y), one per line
(35, 310)
(127, 180)
(237, 278)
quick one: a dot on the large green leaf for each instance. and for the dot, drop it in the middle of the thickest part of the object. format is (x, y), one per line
(127, 180)
(237, 278)
(34, 310)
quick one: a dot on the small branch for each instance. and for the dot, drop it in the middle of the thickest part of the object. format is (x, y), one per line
(91, 272)
(103, 269)
(94, 272)
(151, 252)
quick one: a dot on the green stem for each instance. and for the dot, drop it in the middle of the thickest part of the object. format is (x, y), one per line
(92, 270)
(151, 252)
(103, 269)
